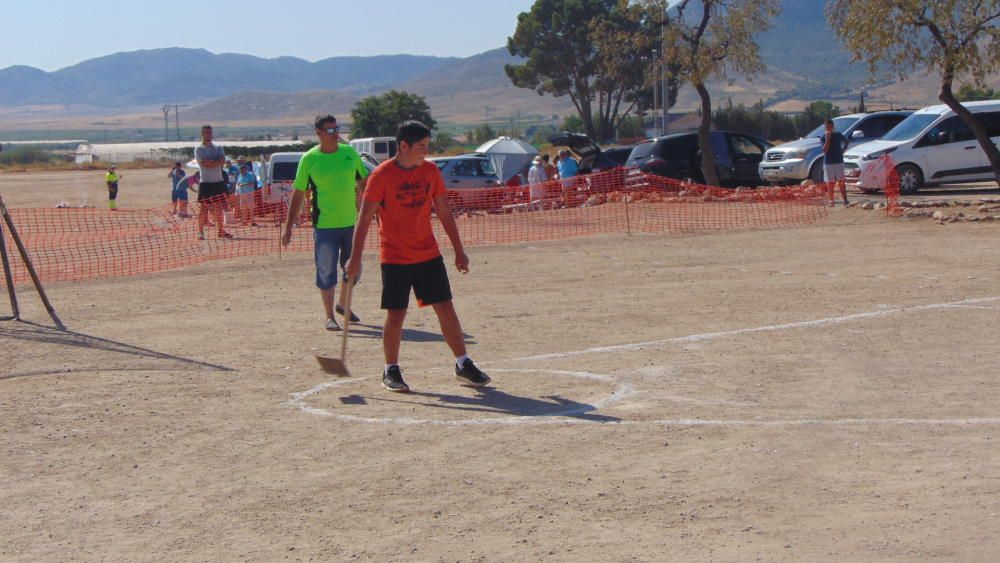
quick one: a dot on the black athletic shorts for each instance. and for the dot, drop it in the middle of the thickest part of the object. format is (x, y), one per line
(113, 191)
(208, 190)
(429, 281)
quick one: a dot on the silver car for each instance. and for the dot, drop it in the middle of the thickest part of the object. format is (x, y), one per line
(471, 180)
(795, 161)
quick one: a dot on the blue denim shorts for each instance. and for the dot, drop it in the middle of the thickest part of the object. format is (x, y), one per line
(333, 246)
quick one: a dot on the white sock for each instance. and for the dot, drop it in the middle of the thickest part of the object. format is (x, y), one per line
(387, 366)
(459, 361)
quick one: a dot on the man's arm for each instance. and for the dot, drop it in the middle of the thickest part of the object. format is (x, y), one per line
(293, 211)
(365, 216)
(443, 211)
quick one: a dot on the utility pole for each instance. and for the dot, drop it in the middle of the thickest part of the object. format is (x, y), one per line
(177, 119)
(656, 95)
(166, 123)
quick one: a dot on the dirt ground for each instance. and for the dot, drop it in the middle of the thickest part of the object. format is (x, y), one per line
(820, 393)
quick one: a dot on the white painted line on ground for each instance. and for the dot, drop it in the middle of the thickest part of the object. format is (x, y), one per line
(768, 328)
(621, 391)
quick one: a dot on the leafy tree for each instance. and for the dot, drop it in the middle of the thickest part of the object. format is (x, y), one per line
(631, 128)
(573, 124)
(483, 133)
(584, 49)
(703, 39)
(957, 38)
(380, 116)
(970, 93)
(441, 142)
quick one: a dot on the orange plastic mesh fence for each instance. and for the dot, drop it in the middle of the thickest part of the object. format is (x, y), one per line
(76, 244)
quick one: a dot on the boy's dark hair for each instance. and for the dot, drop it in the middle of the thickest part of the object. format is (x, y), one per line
(321, 119)
(828, 121)
(412, 132)
(203, 127)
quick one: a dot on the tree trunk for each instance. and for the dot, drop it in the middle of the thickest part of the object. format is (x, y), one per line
(708, 168)
(978, 129)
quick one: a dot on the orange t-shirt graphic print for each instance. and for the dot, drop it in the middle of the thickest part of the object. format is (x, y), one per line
(405, 199)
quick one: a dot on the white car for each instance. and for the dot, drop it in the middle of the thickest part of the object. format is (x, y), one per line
(932, 146)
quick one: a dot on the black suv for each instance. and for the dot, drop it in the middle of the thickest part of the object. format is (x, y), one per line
(678, 156)
(592, 157)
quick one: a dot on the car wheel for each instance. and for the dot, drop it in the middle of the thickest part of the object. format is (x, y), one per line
(816, 172)
(690, 177)
(910, 179)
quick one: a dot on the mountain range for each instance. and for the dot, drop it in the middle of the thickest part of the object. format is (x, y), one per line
(805, 61)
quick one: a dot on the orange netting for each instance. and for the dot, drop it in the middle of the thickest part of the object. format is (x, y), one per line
(75, 244)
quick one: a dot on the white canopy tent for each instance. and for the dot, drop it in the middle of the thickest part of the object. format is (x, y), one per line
(509, 156)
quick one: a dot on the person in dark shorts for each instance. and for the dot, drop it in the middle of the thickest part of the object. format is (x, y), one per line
(402, 191)
(329, 172)
(111, 179)
(212, 189)
(834, 145)
(178, 193)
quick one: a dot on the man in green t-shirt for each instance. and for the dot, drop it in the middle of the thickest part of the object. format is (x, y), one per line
(330, 172)
(111, 179)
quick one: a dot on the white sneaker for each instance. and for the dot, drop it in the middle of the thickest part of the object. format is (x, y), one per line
(332, 325)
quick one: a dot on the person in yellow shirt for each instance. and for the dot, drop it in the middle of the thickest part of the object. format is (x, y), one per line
(111, 179)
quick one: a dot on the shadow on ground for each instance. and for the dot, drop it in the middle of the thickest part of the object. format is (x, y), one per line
(492, 401)
(32, 332)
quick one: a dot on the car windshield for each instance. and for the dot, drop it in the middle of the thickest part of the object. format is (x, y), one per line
(642, 150)
(283, 171)
(910, 127)
(840, 124)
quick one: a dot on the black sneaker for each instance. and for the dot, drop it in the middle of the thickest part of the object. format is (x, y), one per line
(354, 318)
(392, 379)
(470, 375)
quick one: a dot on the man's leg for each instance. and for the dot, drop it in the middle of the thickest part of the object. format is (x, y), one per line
(451, 327)
(219, 220)
(327, 295)
(843, 190)
(202, 217)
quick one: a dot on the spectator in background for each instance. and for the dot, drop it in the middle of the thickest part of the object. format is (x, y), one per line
(232, 172)
(568, 168)
(245, 183)
(212, 190)
(536, 180)
(111, 179)
(550, 169)
(834, 145)
(178, 194)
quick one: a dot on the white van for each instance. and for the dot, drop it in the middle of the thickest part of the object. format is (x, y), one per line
(932, 146)
(380, 148)
(277, 177)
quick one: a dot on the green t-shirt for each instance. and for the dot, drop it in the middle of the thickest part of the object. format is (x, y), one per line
(330, 177)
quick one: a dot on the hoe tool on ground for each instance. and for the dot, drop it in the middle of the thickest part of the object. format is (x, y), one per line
(338, 366)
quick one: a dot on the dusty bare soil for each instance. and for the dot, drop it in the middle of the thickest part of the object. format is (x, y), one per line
(822, 393)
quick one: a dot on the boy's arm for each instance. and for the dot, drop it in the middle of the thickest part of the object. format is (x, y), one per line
(365, 216)
(443, 211)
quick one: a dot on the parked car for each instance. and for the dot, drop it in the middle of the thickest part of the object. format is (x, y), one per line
(932, 146)
(737, 156)
(277, 176)
(380, 148)
(472, 182)
(795, 161)
(592, 158)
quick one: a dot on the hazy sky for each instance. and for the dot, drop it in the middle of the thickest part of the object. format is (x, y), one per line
(52, 34)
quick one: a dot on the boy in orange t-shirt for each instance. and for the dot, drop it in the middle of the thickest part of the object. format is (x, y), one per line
(402, 192)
